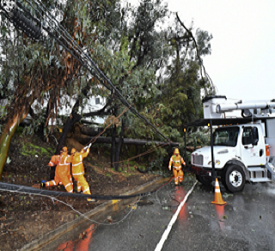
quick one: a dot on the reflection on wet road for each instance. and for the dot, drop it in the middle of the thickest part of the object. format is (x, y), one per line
(179, 196)
(221, 216)
(246, 222)
(80, 244)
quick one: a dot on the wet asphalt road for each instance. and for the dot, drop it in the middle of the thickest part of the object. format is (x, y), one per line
(246, 222)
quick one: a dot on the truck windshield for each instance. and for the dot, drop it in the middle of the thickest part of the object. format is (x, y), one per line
(226, 136)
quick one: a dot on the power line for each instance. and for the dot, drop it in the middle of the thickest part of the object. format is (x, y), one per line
(48, 22)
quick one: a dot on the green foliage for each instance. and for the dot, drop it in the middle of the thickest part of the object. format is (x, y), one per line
(29, 149)
(155, 68)
(200, 137)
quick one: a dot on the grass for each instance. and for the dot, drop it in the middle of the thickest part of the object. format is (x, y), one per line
(29, 149)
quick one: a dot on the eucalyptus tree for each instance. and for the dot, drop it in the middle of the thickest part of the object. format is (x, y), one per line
(185, 83)
(29, 69)
(143, 43)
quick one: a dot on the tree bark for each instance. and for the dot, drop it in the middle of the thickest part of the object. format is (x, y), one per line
(108, 140)
(118, 148)
(7, 135)
(71, 120)
(113, 145)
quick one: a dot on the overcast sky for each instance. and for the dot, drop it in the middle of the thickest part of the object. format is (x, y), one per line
(242, 63)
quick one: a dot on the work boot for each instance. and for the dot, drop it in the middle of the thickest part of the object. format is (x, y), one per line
(42, 184)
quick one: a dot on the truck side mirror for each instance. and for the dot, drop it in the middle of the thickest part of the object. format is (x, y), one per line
(255, 137)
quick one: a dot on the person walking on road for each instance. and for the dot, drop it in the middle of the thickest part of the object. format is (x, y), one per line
(176, 160)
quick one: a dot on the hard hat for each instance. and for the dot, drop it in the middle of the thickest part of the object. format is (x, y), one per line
(176, 151)
(73, 151)
(64, 149)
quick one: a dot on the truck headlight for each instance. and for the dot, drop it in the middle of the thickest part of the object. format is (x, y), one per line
(216, 162)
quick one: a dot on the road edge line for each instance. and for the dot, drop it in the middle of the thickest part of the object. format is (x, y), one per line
(172, 221)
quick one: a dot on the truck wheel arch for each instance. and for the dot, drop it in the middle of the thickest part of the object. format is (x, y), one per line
(237, 163)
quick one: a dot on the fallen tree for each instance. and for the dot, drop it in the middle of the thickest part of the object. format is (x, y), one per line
(84, 140)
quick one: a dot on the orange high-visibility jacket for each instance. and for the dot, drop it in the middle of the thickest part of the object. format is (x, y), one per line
(63, 165)
(176, 161)
(54, 160)
(77, 165)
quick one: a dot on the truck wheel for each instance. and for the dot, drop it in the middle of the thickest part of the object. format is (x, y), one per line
(223, 179)
(234, 179)
(204, 180)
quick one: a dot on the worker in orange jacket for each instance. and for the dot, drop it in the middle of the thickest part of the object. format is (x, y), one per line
(78, 170)
(80, 167)
(55, 160)
(176, 160)
(61, 172)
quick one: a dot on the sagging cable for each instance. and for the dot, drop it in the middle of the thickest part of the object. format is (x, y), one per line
(83, 215)
(30, 190)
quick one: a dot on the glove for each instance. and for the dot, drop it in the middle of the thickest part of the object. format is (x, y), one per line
(86, 147)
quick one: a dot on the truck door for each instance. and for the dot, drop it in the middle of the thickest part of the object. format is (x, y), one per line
(252, 155)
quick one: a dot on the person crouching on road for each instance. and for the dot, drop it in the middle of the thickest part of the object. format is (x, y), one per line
(176, 160)
(78, 170)
(61, 172)
(55, 160)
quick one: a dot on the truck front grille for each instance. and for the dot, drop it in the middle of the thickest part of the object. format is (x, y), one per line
(197, 159)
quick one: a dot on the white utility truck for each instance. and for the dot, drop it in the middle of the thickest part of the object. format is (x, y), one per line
(243, 147)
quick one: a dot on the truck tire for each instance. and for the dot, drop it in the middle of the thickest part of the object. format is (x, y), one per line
(234, 179)
(223, 178)
(204, 180)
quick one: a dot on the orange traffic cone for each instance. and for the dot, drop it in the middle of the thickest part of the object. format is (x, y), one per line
(218, 196)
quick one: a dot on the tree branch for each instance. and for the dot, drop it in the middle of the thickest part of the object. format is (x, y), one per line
(196, 46)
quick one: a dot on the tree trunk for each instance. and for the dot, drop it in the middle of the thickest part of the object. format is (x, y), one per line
(118, 148)
(71, 120)
(113, 146)
(7, 135)
(108, 140)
